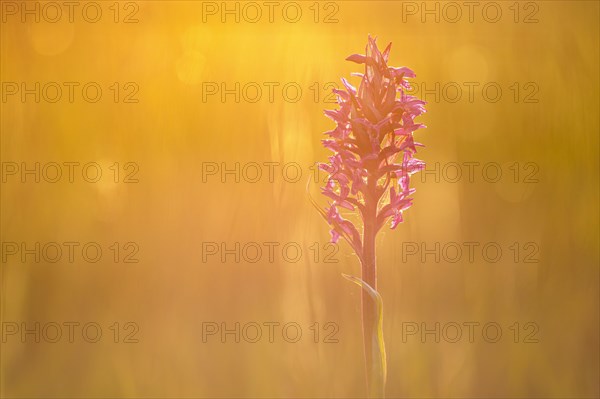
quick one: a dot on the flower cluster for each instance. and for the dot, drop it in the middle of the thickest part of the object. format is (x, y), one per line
(373, 146)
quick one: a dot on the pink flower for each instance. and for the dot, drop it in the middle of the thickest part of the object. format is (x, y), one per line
(374, 125)
(369, 174)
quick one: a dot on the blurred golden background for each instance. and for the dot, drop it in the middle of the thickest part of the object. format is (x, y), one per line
(162, 119)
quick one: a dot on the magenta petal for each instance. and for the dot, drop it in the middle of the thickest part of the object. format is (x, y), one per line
(393, 194)
(344, 95)
(396, 220)
(358, 58)
(335, 236)
(403, 72)
(351, 89)
(346, 204)
(335, 115)
(386, 52)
